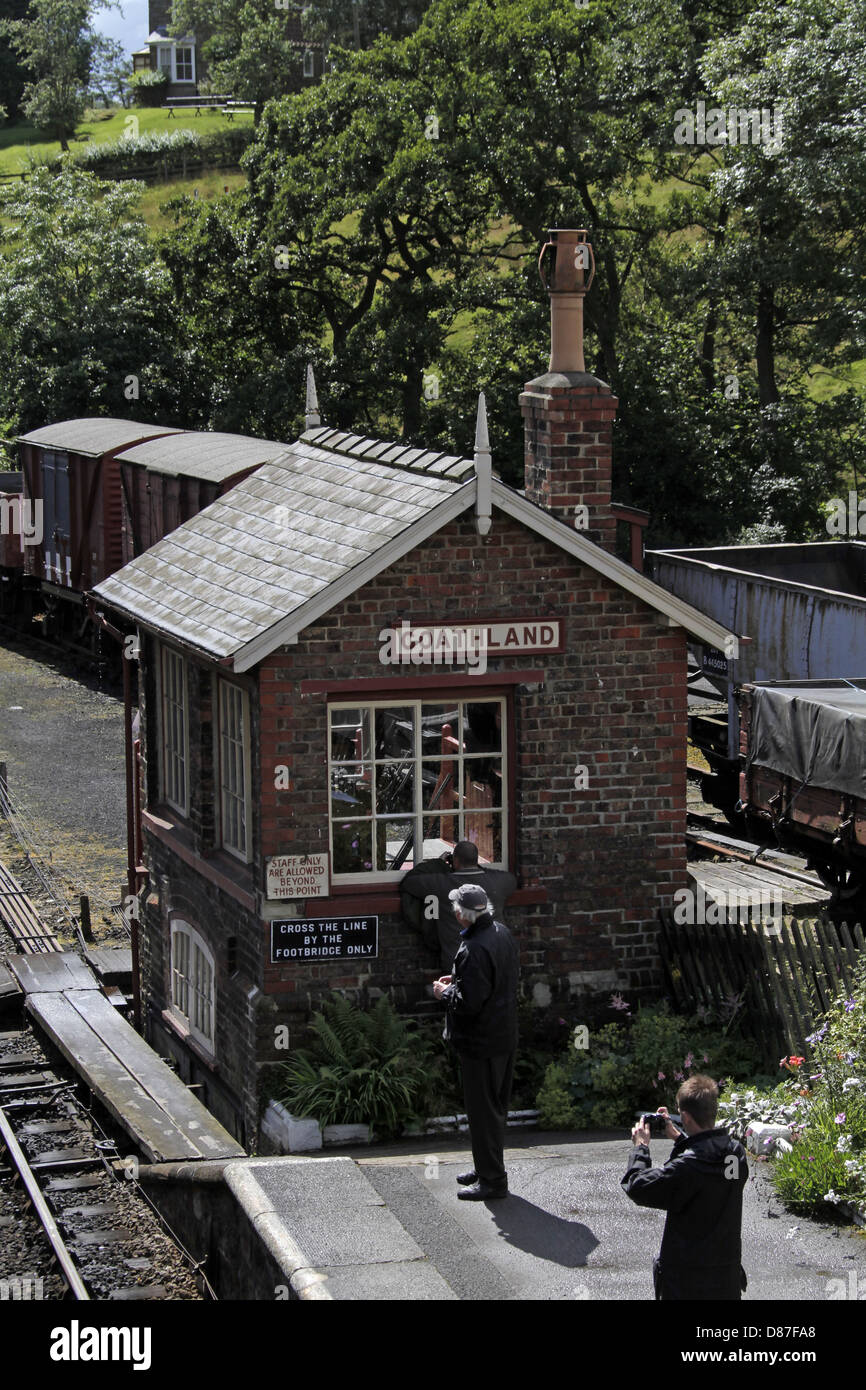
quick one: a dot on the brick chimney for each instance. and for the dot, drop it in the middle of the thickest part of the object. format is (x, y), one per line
(568, 414)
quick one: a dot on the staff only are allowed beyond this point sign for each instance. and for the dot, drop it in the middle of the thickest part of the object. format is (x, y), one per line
(324, 938)
(297, 876)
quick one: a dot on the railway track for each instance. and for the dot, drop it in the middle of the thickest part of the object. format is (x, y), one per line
(73, 1227)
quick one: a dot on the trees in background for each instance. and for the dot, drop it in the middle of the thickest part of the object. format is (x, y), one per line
(85, 305)
(53, 43)
(394, 212)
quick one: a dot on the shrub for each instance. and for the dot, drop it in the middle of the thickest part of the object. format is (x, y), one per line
(809, 1172)
(361, 1068)
(149, 88)
(636, 1065)
(823, 1099)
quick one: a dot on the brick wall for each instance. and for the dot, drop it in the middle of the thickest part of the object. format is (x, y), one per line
(614, 702)
(608, 855)
(568, 423)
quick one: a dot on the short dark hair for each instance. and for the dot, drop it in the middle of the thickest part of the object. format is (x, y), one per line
(465, 854)
(700, 1096)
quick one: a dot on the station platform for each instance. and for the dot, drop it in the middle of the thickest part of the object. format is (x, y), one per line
(147, 1099)
(385, 1224)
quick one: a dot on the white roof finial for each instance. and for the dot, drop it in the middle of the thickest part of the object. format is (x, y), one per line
(483, 471)
(312, 418)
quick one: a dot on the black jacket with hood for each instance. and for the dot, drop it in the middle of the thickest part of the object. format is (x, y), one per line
(701, 1189)
(482, 998)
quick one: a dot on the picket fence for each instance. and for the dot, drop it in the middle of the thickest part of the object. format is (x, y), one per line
(773, 978)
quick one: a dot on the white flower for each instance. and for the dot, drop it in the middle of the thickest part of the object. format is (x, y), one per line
(843, 1145)
(851, 1165)
(851, 1084)
(831, 1196)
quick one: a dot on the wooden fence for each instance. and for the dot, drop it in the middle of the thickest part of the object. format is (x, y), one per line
(785, 971)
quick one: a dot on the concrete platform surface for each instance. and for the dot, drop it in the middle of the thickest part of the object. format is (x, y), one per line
(386, 1224)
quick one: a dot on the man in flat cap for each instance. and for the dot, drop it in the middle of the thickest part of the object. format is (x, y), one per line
(425, 893)
(481, 1024)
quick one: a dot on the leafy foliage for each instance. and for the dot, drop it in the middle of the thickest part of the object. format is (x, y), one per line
(54, 42)
(362, 1068)
(635, 1065)
(823, 1100)
(83, 303)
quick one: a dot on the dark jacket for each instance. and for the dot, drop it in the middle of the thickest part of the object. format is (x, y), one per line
(701, 1189)
(482, 998)
(433, 879)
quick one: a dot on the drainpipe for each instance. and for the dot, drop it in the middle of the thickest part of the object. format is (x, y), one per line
(131, 875)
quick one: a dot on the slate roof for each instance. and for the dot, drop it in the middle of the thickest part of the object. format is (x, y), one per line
(311, 527)
(281, 537)
(213, 457)
(93, 436)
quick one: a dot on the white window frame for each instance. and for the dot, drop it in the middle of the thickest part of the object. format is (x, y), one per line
(460, 697)
(239, 787)
(193, 983)
(168, 655)
(191, 48)
(166, 59)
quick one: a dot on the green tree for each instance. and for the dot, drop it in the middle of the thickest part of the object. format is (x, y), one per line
(252, 48)
(12, 73)
(358, 23)
(110, 70)
(85, 307)
(54, 43)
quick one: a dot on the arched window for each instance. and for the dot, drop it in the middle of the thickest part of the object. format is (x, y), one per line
(192, 982)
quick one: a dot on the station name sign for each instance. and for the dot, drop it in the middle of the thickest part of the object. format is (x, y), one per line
(324, 938)
(297, 876)
(467, 644)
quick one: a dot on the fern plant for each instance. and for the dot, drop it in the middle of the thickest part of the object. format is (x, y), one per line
(361, 1068)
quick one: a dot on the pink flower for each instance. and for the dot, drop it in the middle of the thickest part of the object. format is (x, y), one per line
(661, 1076)
(706, 1058)
(690, 1060)
(678, 1076)
(840, 1119)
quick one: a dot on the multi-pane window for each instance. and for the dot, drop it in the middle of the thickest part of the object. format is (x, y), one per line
(174, 730)
(234, 767)
(192, 981)
(163, 58)
(309, 63)
(183, 63)
(410, 778)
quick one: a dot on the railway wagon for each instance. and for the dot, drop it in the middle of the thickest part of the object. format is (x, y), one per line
(71, 467)
(803, 608)
(11, 543)
(803, 774)
(167, 480)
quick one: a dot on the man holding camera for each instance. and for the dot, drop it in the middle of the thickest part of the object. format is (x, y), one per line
(701, 1189)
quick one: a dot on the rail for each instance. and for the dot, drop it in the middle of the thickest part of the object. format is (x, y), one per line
(62, 1254)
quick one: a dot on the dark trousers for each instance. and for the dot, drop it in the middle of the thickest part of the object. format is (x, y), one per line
(486, 1091)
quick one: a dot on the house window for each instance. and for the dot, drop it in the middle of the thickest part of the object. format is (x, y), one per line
(409, 778)
(183, 64)
(163, 58)
(192, 982)
(175, 735)
(234, 724)
(309, 68)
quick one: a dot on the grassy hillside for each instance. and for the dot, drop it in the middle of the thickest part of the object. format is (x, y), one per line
(20, 144)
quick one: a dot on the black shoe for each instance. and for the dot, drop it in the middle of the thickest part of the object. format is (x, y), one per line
(483, 1192)
(466, 1179)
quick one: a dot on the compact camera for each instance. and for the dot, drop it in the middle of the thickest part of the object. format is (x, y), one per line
(657, 1122)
